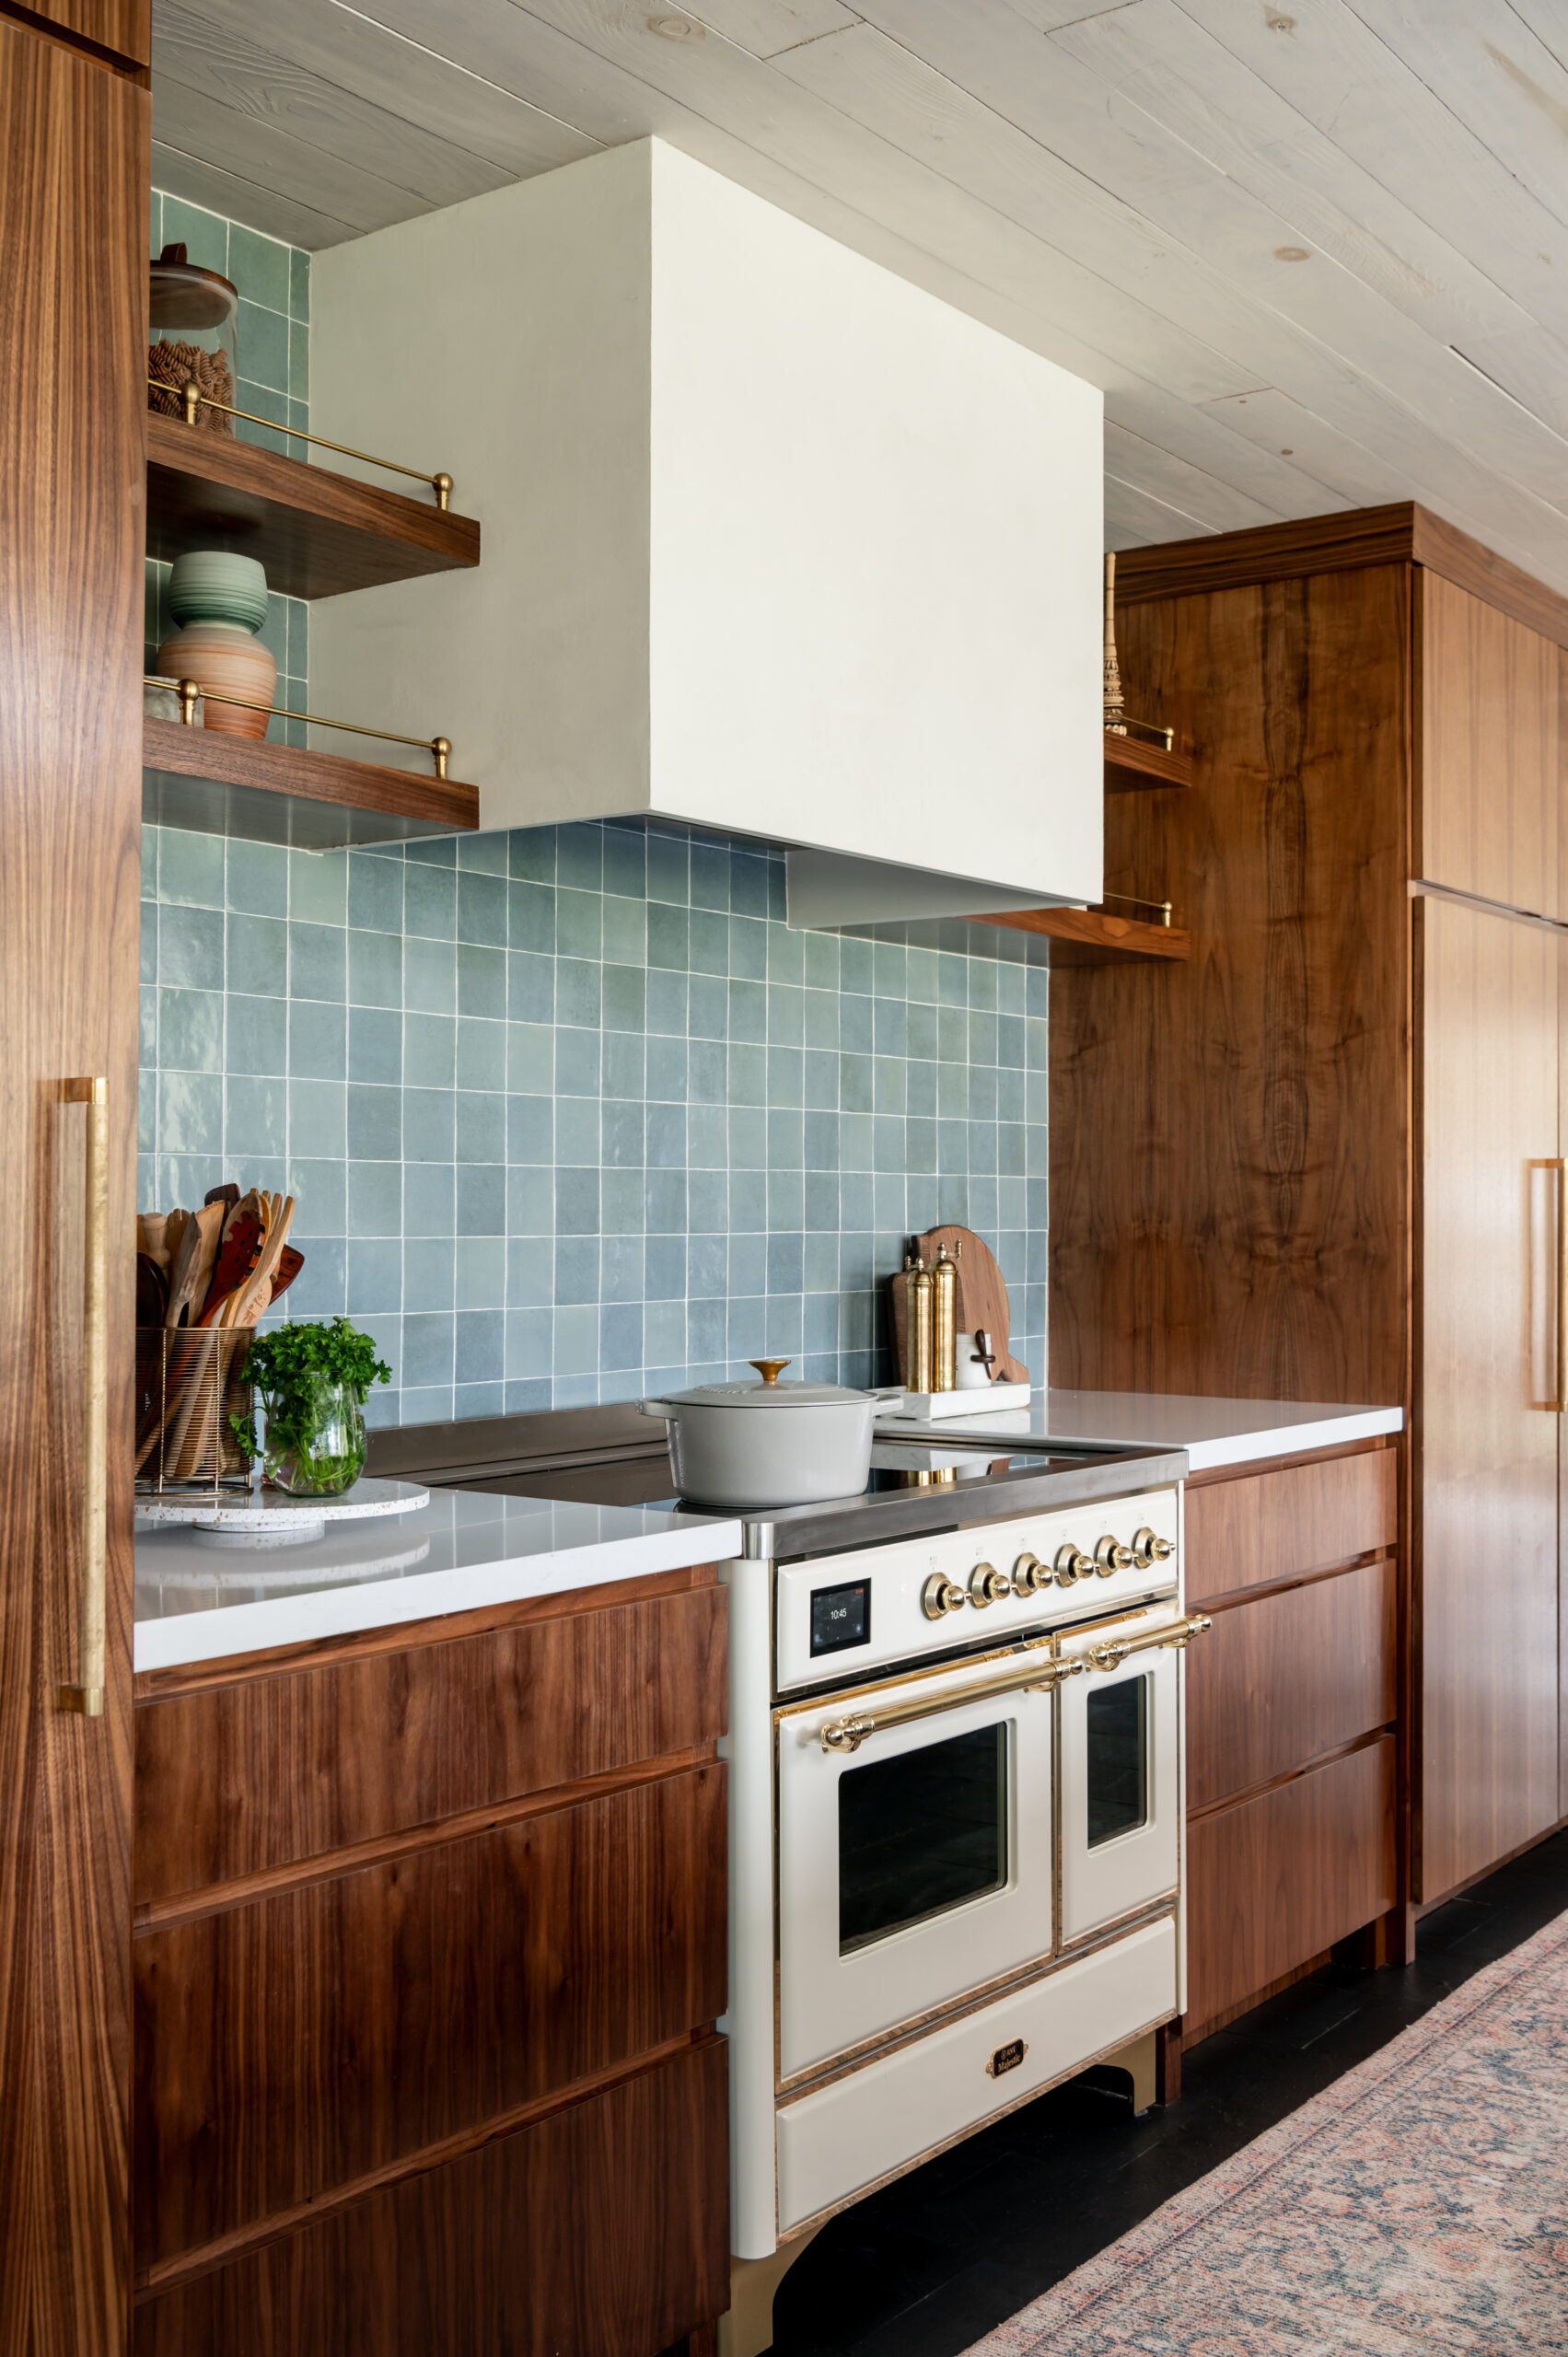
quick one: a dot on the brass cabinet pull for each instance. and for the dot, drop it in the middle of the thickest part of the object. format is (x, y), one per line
(87, 1696)
(849, 1733)
(1558, 1404)
(1178, 1634)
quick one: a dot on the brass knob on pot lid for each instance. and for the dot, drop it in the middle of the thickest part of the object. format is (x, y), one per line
(988, 1585)
(1029, 1574)
(1111, 1556)
(1149, 1548)
(768, 1369)
(1072, 1564)
(940, 1595)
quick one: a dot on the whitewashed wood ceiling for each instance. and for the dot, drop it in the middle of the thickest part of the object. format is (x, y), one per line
(1316, 252)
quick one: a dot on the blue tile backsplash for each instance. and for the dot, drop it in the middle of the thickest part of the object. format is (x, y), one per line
(571, 1114)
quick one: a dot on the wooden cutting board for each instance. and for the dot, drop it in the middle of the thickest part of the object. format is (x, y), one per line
(983, 1297)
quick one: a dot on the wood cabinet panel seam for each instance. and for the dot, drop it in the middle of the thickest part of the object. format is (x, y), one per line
(153, 2281)
(1209, 1477)
(1308, 1578)
(1291, 1775)
(243, 1890)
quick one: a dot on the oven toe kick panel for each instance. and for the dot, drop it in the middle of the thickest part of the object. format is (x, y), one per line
(841, 2140)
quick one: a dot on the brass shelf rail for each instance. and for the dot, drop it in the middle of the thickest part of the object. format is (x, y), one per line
(192, 398)
(191, 691)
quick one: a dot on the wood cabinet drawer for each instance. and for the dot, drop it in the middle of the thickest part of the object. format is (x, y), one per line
(236, 1778)
(1300, 1519)
(602, 2228)
(1279, 1681)
(1274, 1881)
(329, 2029)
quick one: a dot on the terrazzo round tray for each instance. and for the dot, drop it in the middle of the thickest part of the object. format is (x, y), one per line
(271, 1518)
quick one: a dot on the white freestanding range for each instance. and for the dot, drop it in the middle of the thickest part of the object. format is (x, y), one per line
(955, 1811)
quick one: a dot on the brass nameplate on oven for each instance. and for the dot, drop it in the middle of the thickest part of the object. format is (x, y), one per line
(1006, 2058)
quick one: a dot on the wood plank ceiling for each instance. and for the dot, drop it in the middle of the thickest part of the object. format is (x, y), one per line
(1315, 251)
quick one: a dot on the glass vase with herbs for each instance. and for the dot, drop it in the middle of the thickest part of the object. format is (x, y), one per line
(312, 1384)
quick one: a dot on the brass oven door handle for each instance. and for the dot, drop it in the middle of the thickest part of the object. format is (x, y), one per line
(850, 1732)
(1177, 1635)
(87, 1696)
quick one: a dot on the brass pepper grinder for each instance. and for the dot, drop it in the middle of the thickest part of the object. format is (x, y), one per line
(943, 1322)
(919, 1327)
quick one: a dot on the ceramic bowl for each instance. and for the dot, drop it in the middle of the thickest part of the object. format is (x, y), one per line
(226, 661)
(211, 586)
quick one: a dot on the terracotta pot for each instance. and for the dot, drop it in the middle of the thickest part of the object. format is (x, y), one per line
(223, 661)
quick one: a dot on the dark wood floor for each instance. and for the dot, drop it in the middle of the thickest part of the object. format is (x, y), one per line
(932, 2263)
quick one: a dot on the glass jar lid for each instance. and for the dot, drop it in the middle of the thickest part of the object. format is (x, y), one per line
(184, 295)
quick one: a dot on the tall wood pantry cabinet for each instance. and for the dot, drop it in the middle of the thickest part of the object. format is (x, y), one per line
(75, 147)
(1323, 1160)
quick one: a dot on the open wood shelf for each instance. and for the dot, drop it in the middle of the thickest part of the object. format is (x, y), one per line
(1132, 766)
(215, 784)
(315, 532)
(1090, 937)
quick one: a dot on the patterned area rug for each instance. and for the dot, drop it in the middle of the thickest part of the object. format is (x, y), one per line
(1419, 2204)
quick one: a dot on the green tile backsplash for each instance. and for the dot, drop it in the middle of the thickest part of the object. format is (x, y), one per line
(570, 1113)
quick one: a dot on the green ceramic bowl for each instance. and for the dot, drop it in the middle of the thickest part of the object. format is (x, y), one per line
(212, 585)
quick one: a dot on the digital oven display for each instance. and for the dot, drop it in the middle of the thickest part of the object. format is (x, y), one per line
(841, 1617)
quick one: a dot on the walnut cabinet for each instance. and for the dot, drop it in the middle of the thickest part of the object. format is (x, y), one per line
(1321, 1160)
(430, 1943)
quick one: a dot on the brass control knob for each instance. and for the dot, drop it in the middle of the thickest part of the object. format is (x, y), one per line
(940, 1596)
(1029, 1574)
(988, 1585)
(1111, 1556)
(1147, 1548)
(1072, 1564)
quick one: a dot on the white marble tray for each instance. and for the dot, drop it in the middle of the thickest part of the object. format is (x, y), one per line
(932, 1406)
(271, 1518)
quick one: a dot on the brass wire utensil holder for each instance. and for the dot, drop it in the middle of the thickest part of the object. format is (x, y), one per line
(190, 1380)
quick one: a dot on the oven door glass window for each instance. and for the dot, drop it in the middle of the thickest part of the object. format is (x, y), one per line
(1116, 1760)
(920, 1833)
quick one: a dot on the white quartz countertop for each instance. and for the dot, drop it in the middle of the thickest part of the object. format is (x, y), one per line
(466, 1549)
(1212, 1432)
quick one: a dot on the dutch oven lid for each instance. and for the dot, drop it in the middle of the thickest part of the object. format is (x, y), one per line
(768, 1393)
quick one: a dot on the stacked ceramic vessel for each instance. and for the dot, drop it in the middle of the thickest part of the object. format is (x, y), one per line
(220, 602)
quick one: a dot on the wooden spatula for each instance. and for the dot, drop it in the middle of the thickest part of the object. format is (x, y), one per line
(290, 1263)
(277, 1214)
(244, 1234)
(192, 1263)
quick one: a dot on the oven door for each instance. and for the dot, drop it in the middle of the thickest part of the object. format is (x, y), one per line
(1120, 1777)
(914, 1850)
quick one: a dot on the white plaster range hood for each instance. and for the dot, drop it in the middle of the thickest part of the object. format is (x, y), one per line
(774, 542)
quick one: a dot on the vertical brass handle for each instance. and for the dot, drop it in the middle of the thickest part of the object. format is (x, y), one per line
(87, 1696)
(1558, 1404)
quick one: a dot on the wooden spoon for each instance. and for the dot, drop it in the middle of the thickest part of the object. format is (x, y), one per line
(152, 1237)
